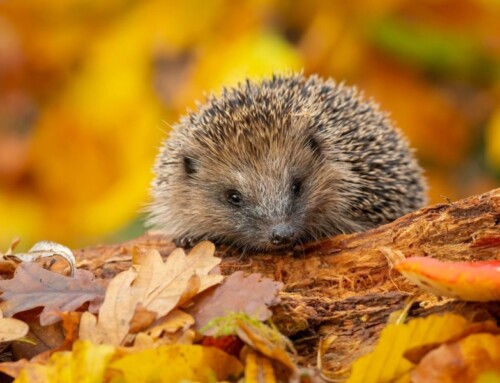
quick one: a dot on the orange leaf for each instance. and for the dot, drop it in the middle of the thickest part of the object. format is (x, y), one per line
(468, 281)
(462, 361)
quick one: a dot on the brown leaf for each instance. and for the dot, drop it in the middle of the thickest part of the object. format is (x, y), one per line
(174, 328)
(42, 339)
(115, 313)
(11, 329)
(157, 286)
(267, 341)
(71, 324)
(251, 295)
(173, 322)
(33, 286)
(145, 341)
(13, 369)
(142, 319)
(160, 285)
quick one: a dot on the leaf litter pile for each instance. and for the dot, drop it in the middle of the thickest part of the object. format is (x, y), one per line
(179, 319)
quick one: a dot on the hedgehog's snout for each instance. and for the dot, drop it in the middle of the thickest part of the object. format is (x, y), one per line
(281, 234)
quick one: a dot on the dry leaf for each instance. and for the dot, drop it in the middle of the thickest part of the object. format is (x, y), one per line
(468, 281)
(41, 340)
(386, 362)
(258, 369)
(13, 369)
(47, 249)
(268, 342)
(174, 328)
(145, 341)
(251, 295)
(156, 286)
(33, 286)
(142, 319)
(115, 313)
(177, 363)
(173, 322)
(160, 285)
(11, 329)
(460, 362)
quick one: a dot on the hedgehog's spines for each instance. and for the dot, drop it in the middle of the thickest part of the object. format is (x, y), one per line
(355, 168)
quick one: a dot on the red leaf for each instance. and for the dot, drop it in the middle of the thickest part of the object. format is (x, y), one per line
(469, 281)
(231, 344)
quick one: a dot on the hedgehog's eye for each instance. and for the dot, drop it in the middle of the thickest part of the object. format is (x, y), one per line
(189, 166)
(234, 197)
(296, 187)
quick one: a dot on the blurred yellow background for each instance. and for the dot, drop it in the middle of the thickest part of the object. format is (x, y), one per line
(89, 88)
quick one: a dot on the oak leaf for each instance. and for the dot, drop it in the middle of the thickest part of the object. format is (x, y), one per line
(251, 295)
(174, 328)
(33, 286)
(157, 286)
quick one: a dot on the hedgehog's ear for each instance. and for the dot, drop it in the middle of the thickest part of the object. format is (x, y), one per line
(312, 143)
(189, 165)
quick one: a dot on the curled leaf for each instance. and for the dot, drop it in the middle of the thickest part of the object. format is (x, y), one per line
(46, 249)
(468, 281)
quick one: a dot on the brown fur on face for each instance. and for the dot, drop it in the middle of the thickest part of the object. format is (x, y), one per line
(270, 164)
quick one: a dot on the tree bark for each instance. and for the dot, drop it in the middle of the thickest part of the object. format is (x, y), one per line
(344, 285)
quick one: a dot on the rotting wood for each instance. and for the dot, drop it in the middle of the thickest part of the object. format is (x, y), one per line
(344, 285)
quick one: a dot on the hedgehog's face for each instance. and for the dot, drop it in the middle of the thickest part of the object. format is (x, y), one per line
(258, 196)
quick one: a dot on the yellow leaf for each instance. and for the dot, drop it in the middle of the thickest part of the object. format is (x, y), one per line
(460, 362)
(489, 377)
(175, 363)
(252, 55)
(386, 362)
(258, 368)
(86, 363)
(493, 140)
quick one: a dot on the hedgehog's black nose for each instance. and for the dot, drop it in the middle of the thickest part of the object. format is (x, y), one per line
(281, 235)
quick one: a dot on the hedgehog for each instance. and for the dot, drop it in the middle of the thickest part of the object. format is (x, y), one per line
(273, 164)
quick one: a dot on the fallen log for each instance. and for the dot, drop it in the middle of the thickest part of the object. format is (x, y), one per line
(344, 285)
